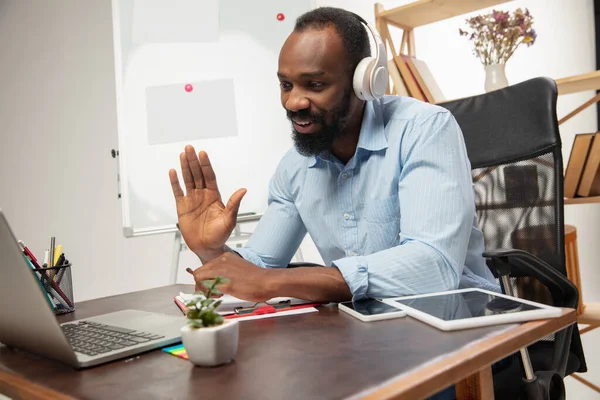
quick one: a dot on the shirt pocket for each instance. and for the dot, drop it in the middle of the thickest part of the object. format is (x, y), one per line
(382, 223)
(383, 210)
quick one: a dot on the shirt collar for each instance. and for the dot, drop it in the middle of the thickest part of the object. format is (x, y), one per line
(372, 133)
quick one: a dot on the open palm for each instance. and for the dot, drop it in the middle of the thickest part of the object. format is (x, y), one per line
(204, 221)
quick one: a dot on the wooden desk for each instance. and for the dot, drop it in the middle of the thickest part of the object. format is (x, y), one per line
(318, 355)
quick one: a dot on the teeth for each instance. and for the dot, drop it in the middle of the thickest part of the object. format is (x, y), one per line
(303, 123)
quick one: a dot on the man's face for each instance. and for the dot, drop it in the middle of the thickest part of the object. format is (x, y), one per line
(316, 88)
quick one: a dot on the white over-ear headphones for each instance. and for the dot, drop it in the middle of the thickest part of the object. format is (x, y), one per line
(371, 74)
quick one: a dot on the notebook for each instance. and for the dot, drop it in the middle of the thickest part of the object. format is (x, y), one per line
(230, 303)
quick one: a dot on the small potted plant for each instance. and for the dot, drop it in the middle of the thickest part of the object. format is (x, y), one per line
(208, 338)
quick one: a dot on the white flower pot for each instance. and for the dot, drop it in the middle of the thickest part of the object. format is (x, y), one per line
(209, 347)
(495, 77)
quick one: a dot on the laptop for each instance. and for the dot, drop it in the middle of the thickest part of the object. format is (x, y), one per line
(29, 323)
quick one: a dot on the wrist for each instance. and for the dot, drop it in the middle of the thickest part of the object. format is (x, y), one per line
(273, 282)
(206, 256)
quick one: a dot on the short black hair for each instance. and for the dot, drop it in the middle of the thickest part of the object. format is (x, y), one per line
(347, 24)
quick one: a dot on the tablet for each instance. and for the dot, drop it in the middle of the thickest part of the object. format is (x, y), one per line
(368, 310)
(471, 308)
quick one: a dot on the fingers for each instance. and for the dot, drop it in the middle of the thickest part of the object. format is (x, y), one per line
(200, 275)
(194, 164)
(233, 205)
(188, 179)
(210, 179)
(199, 287)
(177, 192)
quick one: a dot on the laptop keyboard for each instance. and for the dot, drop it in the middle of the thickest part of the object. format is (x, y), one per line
(92, 338)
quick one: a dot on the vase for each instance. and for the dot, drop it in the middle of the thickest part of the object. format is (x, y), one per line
(212, 346)
(495, 77)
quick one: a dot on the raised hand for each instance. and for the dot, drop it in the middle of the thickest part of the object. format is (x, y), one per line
(204, 221)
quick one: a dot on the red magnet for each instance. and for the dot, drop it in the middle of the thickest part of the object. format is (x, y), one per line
(280, 17)
(189, 88)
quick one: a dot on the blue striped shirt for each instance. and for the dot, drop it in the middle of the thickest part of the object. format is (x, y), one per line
(397, 219)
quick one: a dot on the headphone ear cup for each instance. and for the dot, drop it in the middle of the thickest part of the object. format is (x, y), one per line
(361, 81)
(379, 81)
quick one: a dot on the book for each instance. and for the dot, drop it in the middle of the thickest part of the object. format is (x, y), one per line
(425, 79)
(230, 303)
(409, 80)
(577, 159)
(398, 83)
(590, 179)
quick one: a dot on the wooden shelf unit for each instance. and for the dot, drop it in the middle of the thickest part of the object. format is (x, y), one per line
(413, 15)
(582, 200)
(576, 84)
(425, 12)
(579, 83)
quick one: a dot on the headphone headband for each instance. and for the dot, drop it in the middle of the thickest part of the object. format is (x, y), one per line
(371, 76)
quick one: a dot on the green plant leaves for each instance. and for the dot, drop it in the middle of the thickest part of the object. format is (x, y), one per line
(201, 306)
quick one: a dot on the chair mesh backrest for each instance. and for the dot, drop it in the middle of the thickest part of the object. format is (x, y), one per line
(516, 205)
(514, 146)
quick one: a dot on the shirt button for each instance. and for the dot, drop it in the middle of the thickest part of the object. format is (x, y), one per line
(344, 176)
(362, 269)
(346, 216)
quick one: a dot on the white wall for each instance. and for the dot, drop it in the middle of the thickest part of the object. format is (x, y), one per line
(57, 127)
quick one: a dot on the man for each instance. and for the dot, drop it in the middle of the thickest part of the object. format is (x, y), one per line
(383, 187)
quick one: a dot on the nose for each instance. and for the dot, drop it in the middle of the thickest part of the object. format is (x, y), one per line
(296, 101)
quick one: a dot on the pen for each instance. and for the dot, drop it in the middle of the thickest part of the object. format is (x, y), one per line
(58, 265)
(61, 273)
(46, 258)
(29, 254)
(57, 253)
(52, 246)
(51, 254)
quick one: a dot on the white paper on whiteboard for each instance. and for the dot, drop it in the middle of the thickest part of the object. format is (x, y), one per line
(175, 114)
(175, 21)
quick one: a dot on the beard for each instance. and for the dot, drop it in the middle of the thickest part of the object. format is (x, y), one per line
(316, 143)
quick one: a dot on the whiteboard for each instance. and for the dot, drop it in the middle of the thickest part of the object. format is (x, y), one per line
(200, 73)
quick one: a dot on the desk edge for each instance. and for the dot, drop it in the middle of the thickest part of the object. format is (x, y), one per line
(418, 383)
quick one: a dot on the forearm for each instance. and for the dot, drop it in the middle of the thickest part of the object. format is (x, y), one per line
(406, 269)
(319, 284)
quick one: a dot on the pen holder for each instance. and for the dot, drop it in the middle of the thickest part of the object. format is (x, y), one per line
(57, 286)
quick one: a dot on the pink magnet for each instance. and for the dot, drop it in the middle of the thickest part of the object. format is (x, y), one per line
(280, 17)
(189, 88)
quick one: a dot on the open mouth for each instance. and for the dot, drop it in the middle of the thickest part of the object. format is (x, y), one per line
(304, 126)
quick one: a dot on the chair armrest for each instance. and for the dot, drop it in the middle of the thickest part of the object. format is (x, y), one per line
(303, 264)
(522, 263)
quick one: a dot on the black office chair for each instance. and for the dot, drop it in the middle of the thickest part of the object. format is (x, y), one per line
(514, 146)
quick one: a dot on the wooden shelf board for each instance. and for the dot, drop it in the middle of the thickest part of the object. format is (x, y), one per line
(582, 200)
(423, 12)
(579, 83)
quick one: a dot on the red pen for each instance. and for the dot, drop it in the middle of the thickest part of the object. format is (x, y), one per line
(29, 254)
